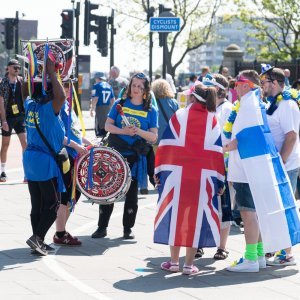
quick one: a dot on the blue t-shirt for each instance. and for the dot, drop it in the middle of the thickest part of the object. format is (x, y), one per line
(75, 134)
(104, 92)
(136, 115)
(38, 162)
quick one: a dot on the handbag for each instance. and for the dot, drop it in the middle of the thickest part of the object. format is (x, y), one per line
(61, 157)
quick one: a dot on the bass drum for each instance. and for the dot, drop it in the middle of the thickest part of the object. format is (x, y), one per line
(107, 180)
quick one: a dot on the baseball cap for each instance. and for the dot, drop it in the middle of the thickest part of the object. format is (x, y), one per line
(100, 75)
(13, 62)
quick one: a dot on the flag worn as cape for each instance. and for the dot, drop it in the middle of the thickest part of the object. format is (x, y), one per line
(190, 166)
(272, 193)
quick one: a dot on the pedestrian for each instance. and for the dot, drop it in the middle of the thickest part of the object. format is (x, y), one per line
(189, 163)
(11, 111)
(116, 81)
(223, 110)
(167, 105)
(258, 178)
(102, 100)
(45, 182)
(284, 121)
(131, 141)
(75, 146)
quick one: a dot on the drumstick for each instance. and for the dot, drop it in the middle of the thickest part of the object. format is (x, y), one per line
(120, 111)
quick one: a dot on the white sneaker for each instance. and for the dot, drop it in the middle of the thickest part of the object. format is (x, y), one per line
(281, 259)
(262, 262)
(244, 265)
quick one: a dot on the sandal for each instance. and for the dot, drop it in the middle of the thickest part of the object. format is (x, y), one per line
(189, 270)
(221, 254)
(199, 253)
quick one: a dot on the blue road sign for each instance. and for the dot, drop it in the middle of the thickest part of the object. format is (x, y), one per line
(162, 24)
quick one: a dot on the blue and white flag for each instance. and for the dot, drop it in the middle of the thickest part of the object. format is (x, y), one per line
(275, 204)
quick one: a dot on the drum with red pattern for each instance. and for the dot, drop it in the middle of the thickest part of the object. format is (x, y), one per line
(108, 178)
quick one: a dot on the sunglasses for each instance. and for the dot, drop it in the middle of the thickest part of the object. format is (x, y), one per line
(17, 68)
(140, 76)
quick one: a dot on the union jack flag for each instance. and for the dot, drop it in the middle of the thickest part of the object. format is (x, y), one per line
(190, 166)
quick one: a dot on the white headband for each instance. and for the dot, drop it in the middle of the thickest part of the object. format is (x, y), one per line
(198, 97)
(214, 82)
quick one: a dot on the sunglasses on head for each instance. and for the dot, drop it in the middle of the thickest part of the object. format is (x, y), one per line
(140, 76)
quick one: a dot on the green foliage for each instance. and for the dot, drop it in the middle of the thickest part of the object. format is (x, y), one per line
(277, 25)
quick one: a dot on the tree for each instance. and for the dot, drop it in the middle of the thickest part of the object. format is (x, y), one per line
(277, 25)
(196, 26)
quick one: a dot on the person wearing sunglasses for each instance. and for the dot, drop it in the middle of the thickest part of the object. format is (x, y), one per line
(131, 141)
(284, 120)
(11, 111)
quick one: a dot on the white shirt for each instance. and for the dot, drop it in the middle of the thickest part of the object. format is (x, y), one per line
(236, 171)
(223, 111)
(286, 118)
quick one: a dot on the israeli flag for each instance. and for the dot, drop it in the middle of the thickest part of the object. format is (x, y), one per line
(272, 193)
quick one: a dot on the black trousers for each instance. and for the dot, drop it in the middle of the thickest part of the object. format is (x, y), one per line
(45, 200)
(130, 206)
(68, 181)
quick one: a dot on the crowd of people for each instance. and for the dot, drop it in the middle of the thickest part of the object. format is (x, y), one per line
(203, 158)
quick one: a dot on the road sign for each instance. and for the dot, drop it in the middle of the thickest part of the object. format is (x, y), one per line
(162, 24)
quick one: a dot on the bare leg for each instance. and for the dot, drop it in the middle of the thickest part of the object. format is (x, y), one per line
(251, 228)
(174, 254)
(224, 236)
(61, 220)
(4, 148)
(190, 255)
(22, 139)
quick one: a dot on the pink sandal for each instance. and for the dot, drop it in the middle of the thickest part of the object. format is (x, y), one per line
(170, 267)
(189, 270)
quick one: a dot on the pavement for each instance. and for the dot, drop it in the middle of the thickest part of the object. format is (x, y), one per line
(111, 268)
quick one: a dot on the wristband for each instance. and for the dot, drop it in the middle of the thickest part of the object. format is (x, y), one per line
(4, 122)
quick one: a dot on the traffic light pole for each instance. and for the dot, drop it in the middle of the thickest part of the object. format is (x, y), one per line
(165, 54)
(150, 54)
(112, 33)
(16, 23)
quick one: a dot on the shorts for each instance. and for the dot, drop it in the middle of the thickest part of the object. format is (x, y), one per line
(293, 176)
(16, 123)
(243, 196)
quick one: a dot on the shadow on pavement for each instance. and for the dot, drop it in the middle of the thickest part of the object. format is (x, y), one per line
(160, 280)
(92, 247)
(15, 258)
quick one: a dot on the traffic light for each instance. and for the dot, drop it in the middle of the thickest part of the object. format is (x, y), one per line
(150, 13)
(101, 42)
(9, 33)
(88, 18)
(67, 24)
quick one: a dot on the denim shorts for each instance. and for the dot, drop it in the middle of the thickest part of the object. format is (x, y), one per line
(293, 175)
(243, 196)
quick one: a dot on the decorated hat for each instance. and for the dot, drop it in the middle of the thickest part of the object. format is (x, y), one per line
(265, 68)
(210, 81)
(59, 51)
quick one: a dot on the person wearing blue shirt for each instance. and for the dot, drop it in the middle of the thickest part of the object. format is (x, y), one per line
(74, 147)
(102, 100)
(44, 176)
(131, 142)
